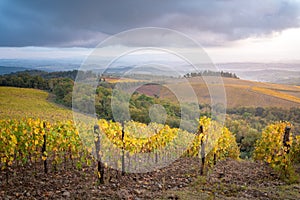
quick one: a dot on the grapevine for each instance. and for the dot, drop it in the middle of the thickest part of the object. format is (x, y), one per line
(22, 142)
(271, 149)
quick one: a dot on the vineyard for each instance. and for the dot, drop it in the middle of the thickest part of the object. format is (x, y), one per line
(63, 146)
(104, 153)
(280, 149)
(32, 141)
(276, 94)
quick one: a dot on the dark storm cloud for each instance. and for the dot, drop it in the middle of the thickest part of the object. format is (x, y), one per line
(85, 23)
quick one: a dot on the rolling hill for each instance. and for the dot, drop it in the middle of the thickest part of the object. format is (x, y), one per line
(22, 102)
(238, 92)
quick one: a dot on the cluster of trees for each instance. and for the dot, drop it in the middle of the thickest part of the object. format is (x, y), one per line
(139, 106)
(261, 117)
(24, 80)
(247, 123)
(58, 83)
(211, 73)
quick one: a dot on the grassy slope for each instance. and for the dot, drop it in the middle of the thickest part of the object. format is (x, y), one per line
(21, 103)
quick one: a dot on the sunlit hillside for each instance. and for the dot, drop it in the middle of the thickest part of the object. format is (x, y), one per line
(23, 103)
(238, 92)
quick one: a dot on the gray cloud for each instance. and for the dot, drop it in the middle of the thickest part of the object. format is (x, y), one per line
(86, 23)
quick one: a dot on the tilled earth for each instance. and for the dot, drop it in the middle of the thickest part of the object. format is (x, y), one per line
(180, 180)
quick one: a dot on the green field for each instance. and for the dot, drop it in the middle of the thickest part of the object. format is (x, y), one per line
(19, 103)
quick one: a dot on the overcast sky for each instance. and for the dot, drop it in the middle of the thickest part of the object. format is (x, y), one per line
(229, 30)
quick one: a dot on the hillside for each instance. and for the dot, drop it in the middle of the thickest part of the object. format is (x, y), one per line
(229, 179)
(24, 103)
(238, 92)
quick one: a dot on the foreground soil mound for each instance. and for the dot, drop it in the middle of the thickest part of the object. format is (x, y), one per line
(229, 179)
(244, 173)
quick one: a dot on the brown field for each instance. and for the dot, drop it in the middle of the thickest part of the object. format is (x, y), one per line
(238, 92)
(118, 80)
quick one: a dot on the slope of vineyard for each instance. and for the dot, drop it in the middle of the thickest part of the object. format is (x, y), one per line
(72, 172)
(23, 103)
(238, 92)
(278, 94)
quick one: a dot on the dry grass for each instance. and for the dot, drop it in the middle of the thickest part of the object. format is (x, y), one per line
(119, 80)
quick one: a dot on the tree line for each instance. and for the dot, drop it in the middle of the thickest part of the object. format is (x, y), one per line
(58, 83)
(211, 73)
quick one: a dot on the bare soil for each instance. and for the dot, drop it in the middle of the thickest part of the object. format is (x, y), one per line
(229, 179)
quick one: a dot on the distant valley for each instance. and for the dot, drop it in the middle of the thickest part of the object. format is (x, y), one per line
(282, 73)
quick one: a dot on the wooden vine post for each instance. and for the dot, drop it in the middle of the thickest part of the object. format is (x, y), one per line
(44, 150)
(202, 150)
(98, 155)
(286, 138)
(215, 158)
(123, 150)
